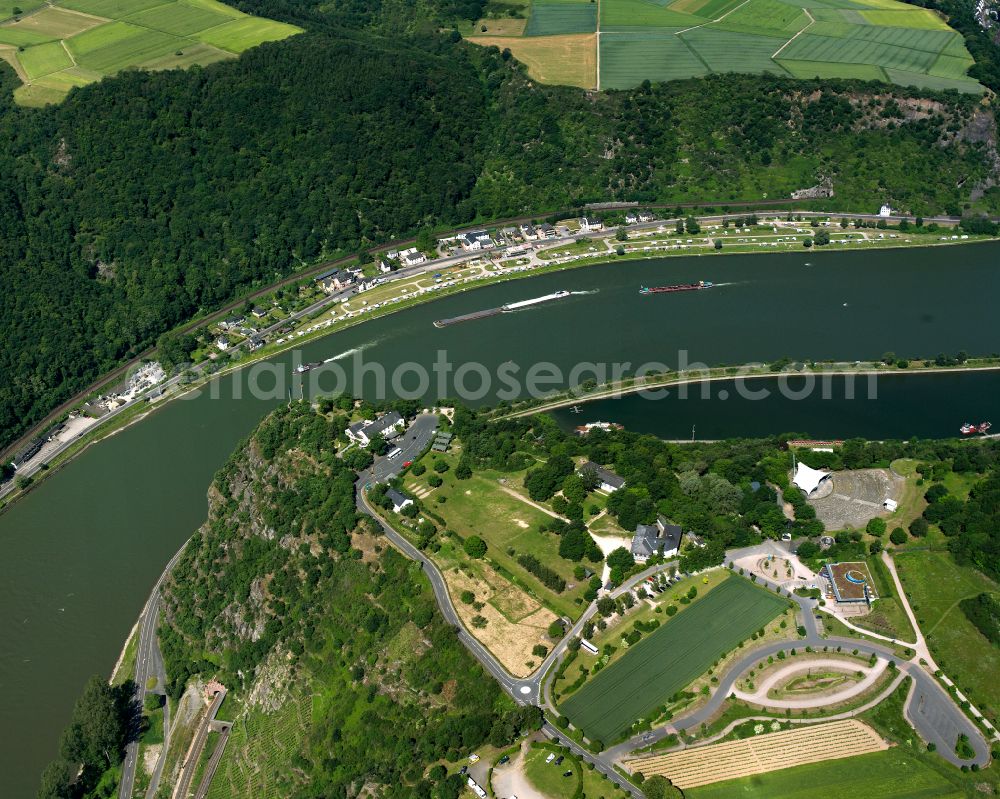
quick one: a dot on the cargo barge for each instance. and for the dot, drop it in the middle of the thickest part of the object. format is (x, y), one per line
(701, 284)
(506, 308)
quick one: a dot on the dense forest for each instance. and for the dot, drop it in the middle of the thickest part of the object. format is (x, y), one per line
(145, 198)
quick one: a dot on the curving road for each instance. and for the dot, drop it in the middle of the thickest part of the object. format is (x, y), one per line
(148, 662)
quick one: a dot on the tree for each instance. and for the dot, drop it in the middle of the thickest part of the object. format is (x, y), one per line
(474, 546)
(606, 606)
(876, 526)
(898, 536)
(659, 787)
(692, 226)
(556, 629)
(919, 527)
(463, 471)
(621, 234)
(718, 244)
(621, 558)
(96, 734)
(377, 445)
(822, 237)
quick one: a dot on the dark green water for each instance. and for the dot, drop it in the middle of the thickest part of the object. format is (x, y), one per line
(80, 553)
(899, 406)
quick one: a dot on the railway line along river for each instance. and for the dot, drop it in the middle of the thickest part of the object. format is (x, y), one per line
(81, 551)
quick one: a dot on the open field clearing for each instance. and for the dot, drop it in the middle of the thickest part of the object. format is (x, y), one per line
(890, 774)
(670, 658)
(704, 765)
(637, 40)
(7, 7)
(44, 59)
(96, 38)
(566, 60)
(935, 585)
(55, 23)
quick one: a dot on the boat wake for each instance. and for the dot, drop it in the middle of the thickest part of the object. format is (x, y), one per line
(353, 351)
(584, 293)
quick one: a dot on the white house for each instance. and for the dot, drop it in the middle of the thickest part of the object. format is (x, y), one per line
(589, 224)
(222, 343)
(885, 210)
(606, 480)
(384, 267)
(364, 431)
(399, 501)
(475, 240)
(528, 232)
(631, 218)
(414, 258)
(655, 539)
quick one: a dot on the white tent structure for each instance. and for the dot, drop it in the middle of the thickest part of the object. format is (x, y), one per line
(807, 478)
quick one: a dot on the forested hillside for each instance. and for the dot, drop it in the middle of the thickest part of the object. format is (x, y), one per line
(287, 595)
(146, 197)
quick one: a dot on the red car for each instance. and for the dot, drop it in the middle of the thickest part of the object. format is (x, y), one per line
(407, 463)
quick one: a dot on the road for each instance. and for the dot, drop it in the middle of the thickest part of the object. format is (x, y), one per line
(148, 661)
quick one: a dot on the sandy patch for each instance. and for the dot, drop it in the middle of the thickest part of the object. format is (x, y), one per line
(150, 755)
(509, 635)
(521, 523)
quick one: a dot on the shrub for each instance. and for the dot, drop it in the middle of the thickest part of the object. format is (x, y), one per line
(474, 546)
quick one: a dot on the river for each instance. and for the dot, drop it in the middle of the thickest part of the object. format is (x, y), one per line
(82, 550)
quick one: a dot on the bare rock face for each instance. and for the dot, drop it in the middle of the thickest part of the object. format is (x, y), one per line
(820, 192)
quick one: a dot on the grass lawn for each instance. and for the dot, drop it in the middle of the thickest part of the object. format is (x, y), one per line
(893, 774)
(670, 658)
(480, 506)
(44, 59)
(548, 777)
(935, 584)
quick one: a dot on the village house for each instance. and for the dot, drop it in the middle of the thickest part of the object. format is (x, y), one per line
(589, 224)
(334, 280)
(386, 425)
(398, 500)
(475, 240)
(655, 539)
(606, 480)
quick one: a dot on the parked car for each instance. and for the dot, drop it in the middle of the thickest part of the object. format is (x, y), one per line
(559, 760)
(568, 773)
(503, 760)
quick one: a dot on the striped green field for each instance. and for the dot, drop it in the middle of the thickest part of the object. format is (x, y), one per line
(881, 40)
(559, 18)
(670, 658)
(76, 42)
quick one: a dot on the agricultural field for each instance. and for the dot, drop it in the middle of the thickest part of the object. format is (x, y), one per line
(659, 40)
(670, 658)
(891, 774)
(761, 754)
(76, 42)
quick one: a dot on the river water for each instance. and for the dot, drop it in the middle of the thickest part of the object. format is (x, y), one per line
(82, 550)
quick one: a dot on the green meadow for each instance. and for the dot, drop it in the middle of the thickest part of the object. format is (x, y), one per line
(76, 42)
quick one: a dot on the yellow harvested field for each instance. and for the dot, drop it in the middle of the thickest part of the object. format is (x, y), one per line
(760, 754)
(60, 23)
(510, 640)
(567, 60)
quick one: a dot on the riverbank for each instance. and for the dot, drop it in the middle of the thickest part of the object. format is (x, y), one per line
(634, 385)
(309, 331)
